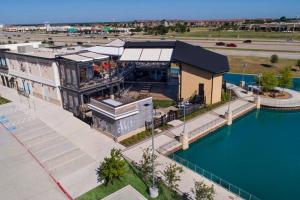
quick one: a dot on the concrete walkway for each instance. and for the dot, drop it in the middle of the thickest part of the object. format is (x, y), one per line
(196, 128)
(82, 149)
(292, 102)
(187, 178)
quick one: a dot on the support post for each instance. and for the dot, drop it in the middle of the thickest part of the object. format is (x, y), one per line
(184, 137)
(228, 116)
(257, 102)
(111, 92)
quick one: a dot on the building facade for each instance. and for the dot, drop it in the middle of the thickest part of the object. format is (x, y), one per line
(121, 119)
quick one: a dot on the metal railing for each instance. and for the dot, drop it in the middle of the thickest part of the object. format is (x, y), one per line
(205, 127)
(242, 108)
(212, 177)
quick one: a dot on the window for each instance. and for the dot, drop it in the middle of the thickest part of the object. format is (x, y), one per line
(68, 75)
(74, 77)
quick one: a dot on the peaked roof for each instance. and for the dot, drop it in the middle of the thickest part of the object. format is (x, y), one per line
(200, 57)
(188, 54)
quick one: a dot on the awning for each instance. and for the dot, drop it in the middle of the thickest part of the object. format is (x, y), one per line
(150, 55)
(147, 54)
(131, 55)
(166, 55)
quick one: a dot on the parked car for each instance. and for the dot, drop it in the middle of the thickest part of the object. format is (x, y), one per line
(220, 44)
(231, 45)
(248, 41)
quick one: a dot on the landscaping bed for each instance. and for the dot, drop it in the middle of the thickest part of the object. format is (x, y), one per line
(132, 177)
(3, 101)
(163, 103)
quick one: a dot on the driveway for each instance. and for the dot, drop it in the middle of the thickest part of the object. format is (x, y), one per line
(65, 147)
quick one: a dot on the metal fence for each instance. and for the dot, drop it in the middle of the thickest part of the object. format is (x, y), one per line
(225, 184)
(205, 127)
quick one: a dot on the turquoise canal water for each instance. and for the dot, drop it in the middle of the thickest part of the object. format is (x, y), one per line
(249, 79)
(259, 153)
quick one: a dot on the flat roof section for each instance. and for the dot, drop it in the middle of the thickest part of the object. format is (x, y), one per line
(112, 102)
(93, 55)
(77, 58)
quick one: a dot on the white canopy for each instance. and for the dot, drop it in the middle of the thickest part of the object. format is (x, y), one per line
(131, 55)
(110, 51)
(116, 43)
(152, 54)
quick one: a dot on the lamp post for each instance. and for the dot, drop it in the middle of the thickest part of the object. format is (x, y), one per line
(153, 189)
(184, 135)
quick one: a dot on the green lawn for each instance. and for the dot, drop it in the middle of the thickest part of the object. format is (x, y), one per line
(259, 64)
(202, 110)
(3, 101)
(141, 136)
(131, 178)
(163, 103)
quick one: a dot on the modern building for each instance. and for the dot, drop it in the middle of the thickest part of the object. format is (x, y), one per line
(121, 118)
(196, 72)
(4, 76)
(34, 71)
(92, 72)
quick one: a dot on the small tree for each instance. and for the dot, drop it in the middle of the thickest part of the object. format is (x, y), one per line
(274, 59)
(203, 192)
(285, 78)
(172, 175)
(298, 63)
(145, 164)
(268, 81)
(113, 167)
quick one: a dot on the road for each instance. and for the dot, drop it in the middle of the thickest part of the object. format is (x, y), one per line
(259, 48)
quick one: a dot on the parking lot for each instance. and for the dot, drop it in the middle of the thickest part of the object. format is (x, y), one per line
(34, 158)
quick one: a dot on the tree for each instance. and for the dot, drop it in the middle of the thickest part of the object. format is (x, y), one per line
(268, 81)
(203, 192)
(172, 175)
(145, 164)
(285, 79)
(113, 167)
(298, 63)
(274, 59)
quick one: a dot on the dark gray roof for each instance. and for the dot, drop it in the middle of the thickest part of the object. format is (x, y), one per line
(150, 44)
(188, 54)
(200, 57)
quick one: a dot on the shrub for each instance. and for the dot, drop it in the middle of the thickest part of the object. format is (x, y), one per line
(172, 175)
(113, 167)
(298, 63)
(268, 81)
(274, 59)
(203, 192)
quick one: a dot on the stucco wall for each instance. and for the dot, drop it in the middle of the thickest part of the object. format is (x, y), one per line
(127, 125)
(191, 77)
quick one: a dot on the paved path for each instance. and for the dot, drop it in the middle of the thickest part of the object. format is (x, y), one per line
(292, 102)
(187, 178)
(69, 148)
(21, 176)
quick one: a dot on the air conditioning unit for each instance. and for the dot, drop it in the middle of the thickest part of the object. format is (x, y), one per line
(25, 49)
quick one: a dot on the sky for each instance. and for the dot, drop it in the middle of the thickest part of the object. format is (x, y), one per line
(57, 11)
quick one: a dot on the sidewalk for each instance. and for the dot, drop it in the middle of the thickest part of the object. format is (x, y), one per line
(187, 178)
(89, 141)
